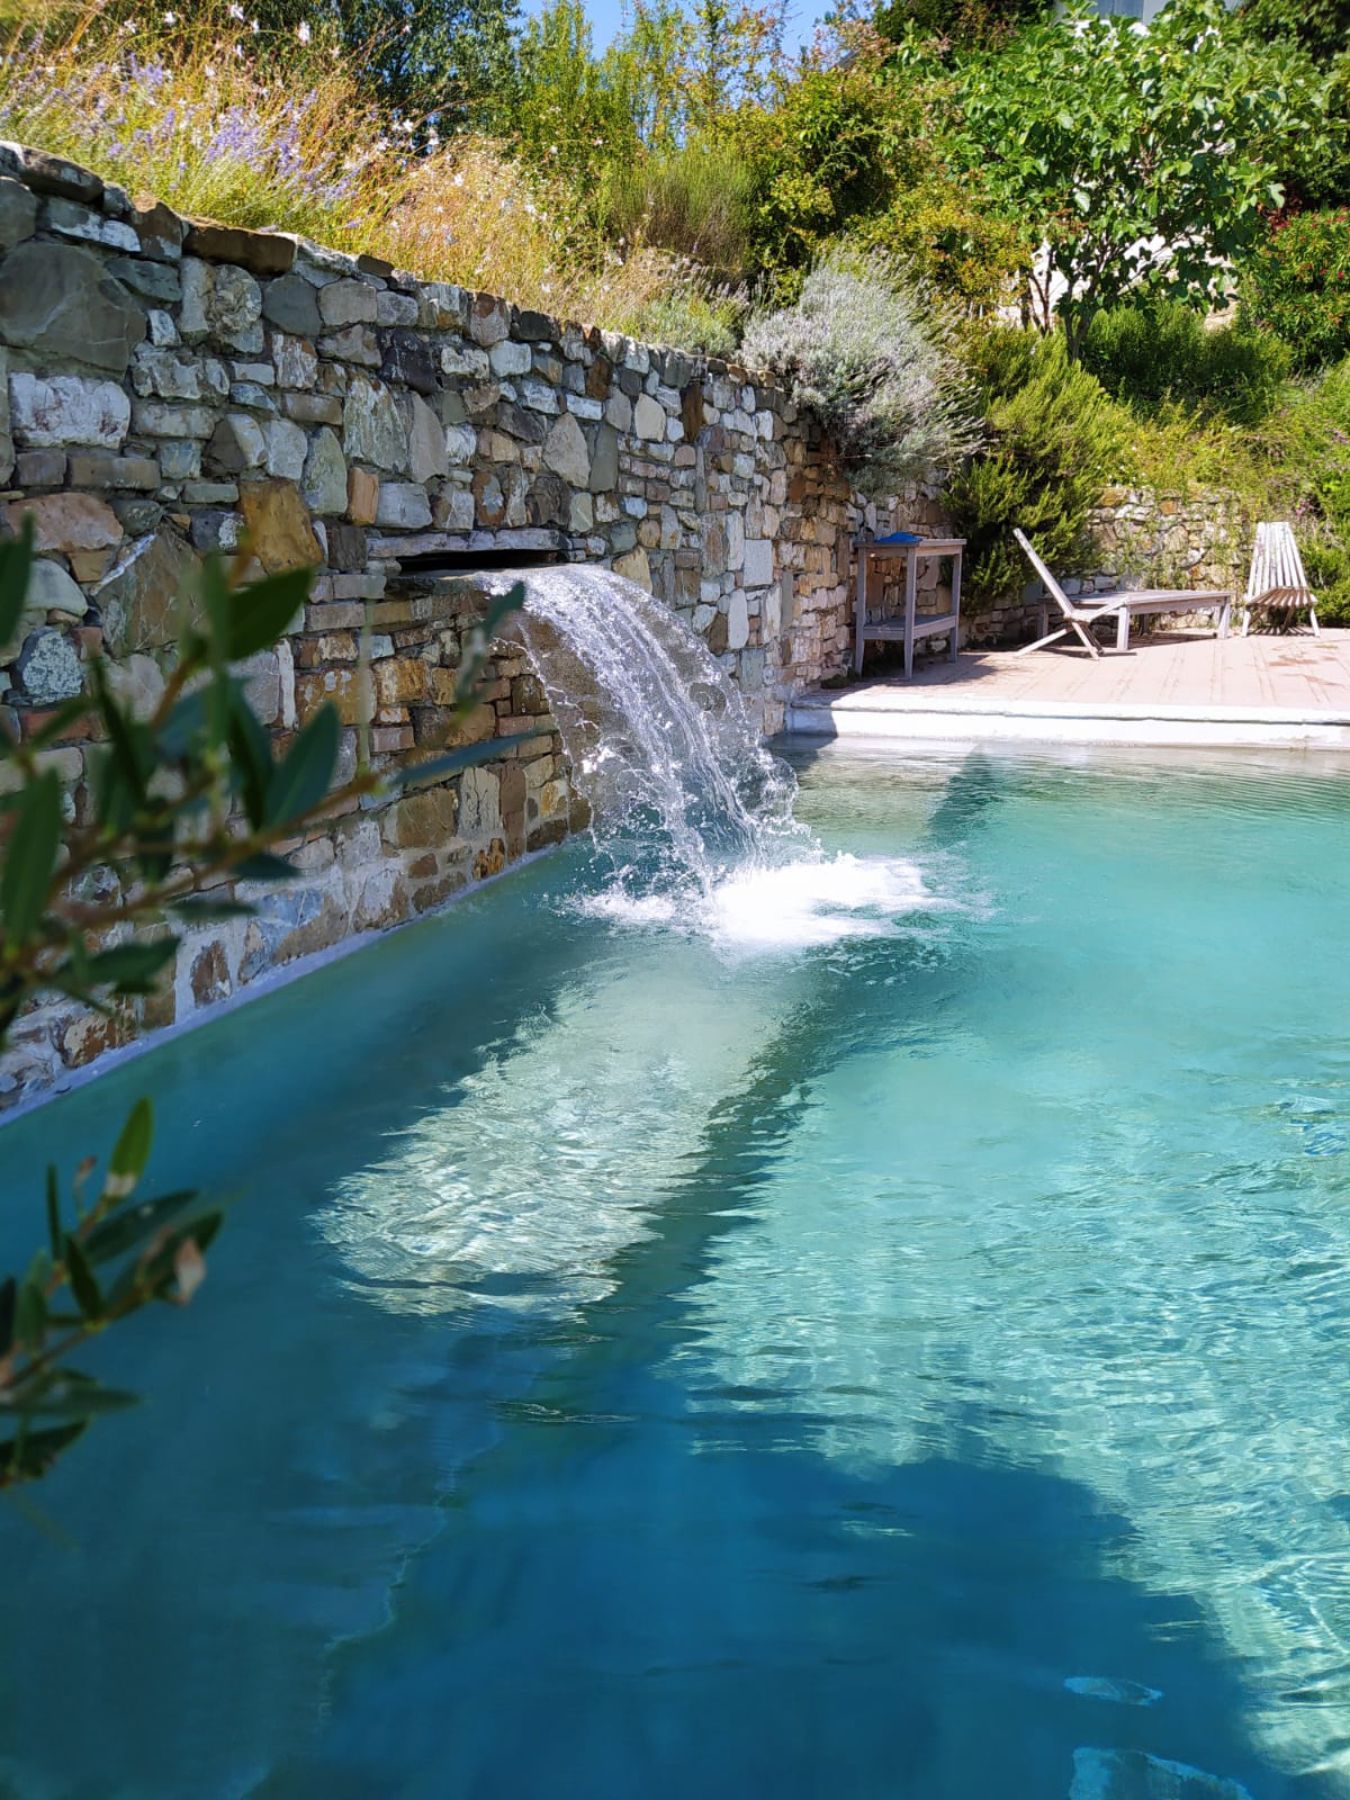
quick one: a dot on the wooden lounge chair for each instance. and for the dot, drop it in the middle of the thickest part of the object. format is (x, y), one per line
(1077, 618)
(1277, 578)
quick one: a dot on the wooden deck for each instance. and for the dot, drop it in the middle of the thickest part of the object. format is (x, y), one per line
(1171, 688)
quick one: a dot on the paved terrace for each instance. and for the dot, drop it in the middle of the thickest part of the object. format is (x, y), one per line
(1172, 688)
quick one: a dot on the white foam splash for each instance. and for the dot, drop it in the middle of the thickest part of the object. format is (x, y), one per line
(764, 911)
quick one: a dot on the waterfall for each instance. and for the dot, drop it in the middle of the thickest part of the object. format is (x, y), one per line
(692, 817)
(682, 792)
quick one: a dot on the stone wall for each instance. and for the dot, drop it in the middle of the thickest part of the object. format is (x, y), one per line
(170, 387)
(1143, 540)
(1167, 540)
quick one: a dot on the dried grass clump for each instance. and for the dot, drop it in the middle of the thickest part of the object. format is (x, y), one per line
(223, 123)
(872, 355)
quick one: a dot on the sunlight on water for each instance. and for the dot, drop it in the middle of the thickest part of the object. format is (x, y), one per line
(865, 1320)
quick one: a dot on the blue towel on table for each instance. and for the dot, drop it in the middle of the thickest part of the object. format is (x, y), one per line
(900, 537)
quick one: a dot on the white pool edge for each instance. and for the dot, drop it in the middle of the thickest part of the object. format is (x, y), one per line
(910, 719)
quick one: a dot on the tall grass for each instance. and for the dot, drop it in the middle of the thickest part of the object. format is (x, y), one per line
(222, 122)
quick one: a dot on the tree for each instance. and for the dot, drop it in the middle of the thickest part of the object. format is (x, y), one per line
(1321, 26)
(1138, 153)
(184, 805)
(453, 59)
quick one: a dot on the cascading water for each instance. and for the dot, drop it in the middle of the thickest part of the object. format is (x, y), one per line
(692, 815)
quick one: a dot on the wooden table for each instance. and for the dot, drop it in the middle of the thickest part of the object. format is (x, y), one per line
(907, 628)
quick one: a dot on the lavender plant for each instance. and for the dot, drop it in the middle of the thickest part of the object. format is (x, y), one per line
(873, 356)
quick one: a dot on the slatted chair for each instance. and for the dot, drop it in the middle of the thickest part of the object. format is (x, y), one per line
(1077, 618)
(1277, 578)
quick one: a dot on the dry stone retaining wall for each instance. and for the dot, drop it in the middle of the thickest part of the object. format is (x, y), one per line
(171, 387)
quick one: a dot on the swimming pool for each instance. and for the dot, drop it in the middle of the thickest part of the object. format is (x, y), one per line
(885, 1337)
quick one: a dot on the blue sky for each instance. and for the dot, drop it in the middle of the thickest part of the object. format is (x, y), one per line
(607, 16)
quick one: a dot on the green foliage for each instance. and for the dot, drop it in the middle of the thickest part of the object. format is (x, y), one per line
(871, 355)
(946, 232)
(185, 803)
(1297, 285)
(1322, 27)
(1055, 440)
(694, 201)
(450, 58)
(831, 153)
(694, 317)
(1146, 354)
(1112, 139)
(960, 24)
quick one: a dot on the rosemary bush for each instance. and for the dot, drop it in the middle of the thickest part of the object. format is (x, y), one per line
(873, 356)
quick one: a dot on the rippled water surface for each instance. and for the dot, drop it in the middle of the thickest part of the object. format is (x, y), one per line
(882, 1337)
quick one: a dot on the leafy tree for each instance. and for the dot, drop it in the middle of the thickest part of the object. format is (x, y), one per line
(450, 58)
(958, 24)
(1297, 284)
(1138, 153)
(1322, 27)
(185, 804)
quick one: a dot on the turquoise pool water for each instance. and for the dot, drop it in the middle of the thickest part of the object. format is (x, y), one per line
(885, 1338)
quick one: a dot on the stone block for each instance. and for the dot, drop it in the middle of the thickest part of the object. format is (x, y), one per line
(278, 526)
(261, 252)
(404, 505)
(344, 689)
(346, 545)
(758, 562)
(162, 419)
(95, 469)
(373, 428)
(738, 620)
(363, 496)
(150, 593)
(39, 469)
(286, 449)
(18, 213)
(52, 590)
(295, 360)
(565, 451)
(61, 303)
(236, 445)
(160, 231)
(67, 218)
(634, 566)
(48, 174)
(407, 360)
(489, 320)
(48, 667)
(352, 344)
(138, 682)
(222, 302)
(66, 521)
(604, 460)
(427, 458)
(325, 475)
(347, 303)
(291, 304)
(507, 358)
(68, 409)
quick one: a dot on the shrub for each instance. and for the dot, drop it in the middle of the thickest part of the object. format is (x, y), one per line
(872, 356)
(1145, 354)
(1055, 439)
(694, 201)
(1297, 284)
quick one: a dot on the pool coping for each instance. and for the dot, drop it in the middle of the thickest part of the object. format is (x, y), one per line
(893, 714)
